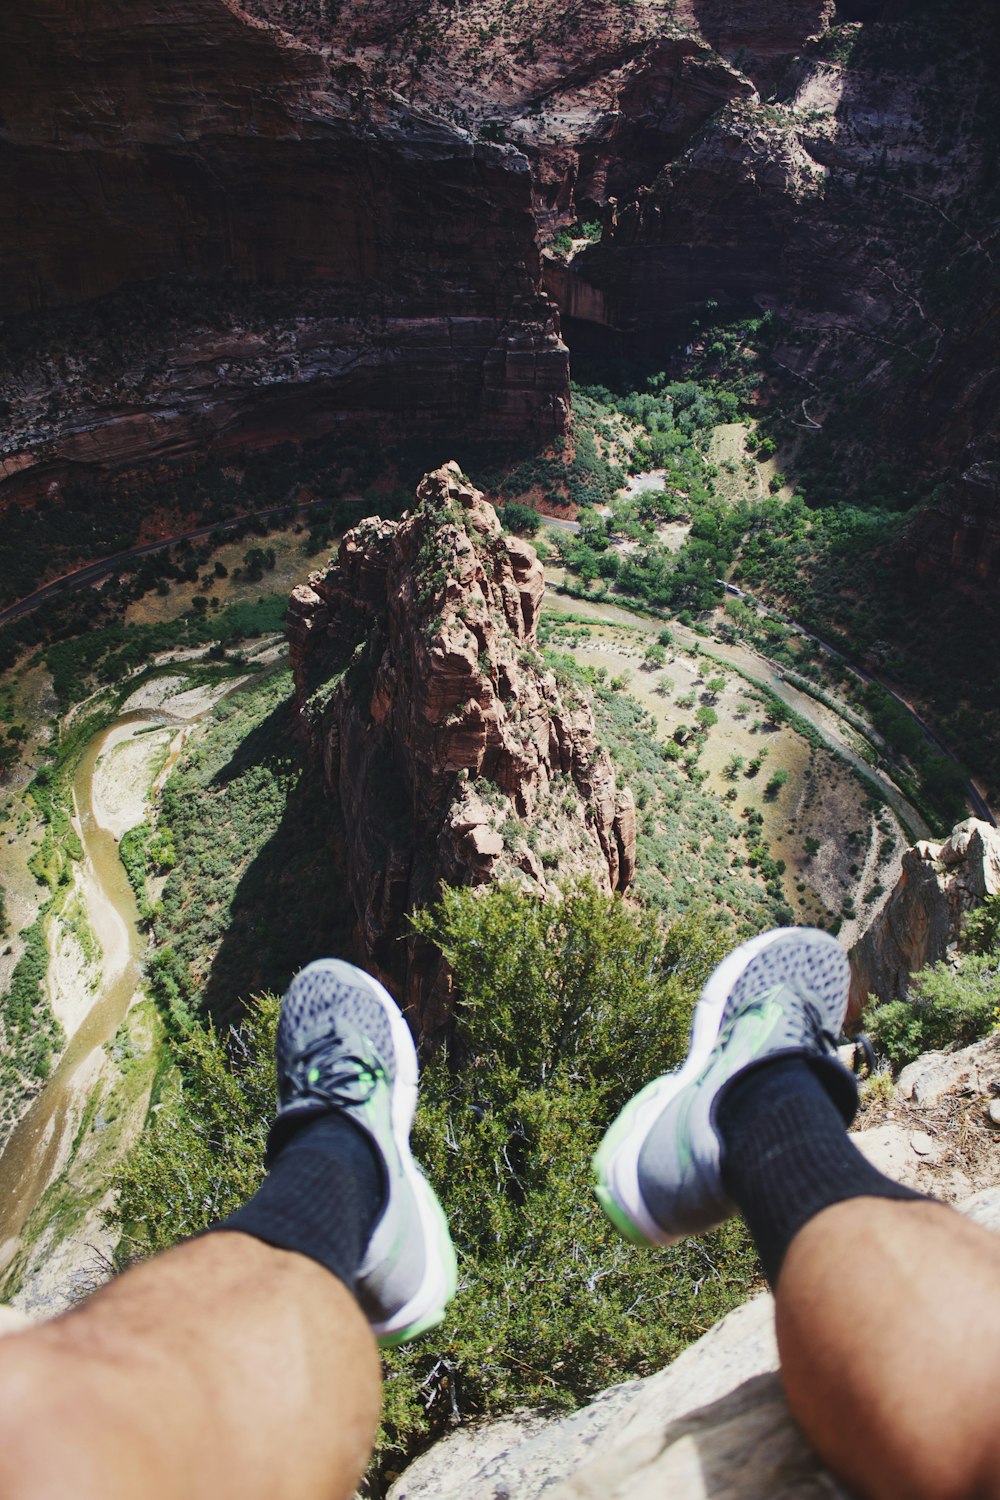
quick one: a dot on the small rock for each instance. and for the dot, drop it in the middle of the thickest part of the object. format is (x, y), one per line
(994, 1111)
(921, 1143)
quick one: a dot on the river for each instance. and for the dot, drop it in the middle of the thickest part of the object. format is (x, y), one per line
(37, 1148)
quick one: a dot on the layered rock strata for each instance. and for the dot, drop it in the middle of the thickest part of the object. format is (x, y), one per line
(939, 885)
(218, 237)
(453, 755)
(831, 163)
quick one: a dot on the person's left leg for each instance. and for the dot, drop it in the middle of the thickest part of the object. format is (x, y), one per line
(222, 1368)
(244, 1363)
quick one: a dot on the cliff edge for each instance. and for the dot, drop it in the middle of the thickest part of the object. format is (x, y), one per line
(714, 1424)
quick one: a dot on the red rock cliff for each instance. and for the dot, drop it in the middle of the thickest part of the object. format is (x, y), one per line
(938, 887)
(453, 755)
(300, 249)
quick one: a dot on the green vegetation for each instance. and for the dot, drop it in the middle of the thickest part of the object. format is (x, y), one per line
(564, 1009)
(108, 654)
(945, 1006)
(982, 930)
(563, 242)
(116, 1101)
(688, 851)
(241, 836)
(948, 1002)
(520, 519)
(30, 1031)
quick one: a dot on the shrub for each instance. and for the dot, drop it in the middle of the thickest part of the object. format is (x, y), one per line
(982, 931)
(520, 519)
(563, 1010)
(946, 1007)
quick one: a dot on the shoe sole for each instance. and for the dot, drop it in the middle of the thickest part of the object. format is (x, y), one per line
(426, 1308)
(616, 1162)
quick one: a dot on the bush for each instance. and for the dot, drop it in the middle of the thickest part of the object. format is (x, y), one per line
(982, 930)
(520, 519)
(563, 1010)
(946, 1007)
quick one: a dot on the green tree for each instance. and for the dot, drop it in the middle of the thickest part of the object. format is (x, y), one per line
(777, 781)
(945, 1007)
(520, 519)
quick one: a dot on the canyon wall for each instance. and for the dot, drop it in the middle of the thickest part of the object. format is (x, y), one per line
(451, 752)
(213, 236)
(938, 887)
(833, 164)
(223, 230)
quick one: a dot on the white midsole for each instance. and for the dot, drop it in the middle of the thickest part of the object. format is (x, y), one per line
(622, 1171)
(433, 1286)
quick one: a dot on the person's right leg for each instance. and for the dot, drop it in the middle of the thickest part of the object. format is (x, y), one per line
(223, 1368)
(888, 1318)
(881, 1295)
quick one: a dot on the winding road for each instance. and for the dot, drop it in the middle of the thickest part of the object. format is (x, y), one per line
(776, 682)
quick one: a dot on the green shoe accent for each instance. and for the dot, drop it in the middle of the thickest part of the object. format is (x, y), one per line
(446, 1253)
(618, 1217)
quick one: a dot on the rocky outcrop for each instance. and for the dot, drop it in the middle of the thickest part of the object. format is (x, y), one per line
(218, 237)
(452, 754)
(714, 1425)
(940, 884)
(827, 162)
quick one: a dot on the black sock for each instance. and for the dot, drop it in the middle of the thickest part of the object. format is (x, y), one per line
(786, 1154)
(322, 1196)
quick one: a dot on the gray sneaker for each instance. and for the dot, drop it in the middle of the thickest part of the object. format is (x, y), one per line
(658, 1168)
(343, 1045)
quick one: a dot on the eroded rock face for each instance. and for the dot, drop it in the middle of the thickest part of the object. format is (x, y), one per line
(940, 884)
(831, 163)
(287, 249)
(452, 753)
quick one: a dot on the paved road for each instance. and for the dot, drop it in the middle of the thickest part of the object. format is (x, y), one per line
(827, 723)
(976, 800)
(81, 578)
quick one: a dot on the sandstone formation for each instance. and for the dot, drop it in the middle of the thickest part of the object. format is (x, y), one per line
(218, 237)
(830, 163)
(939, 885)
(714, 1425)
(452, 754)
(324, 214)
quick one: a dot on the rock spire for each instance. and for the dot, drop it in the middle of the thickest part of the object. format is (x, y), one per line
(453, 754)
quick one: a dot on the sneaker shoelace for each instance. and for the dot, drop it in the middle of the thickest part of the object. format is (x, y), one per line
(331, 1073)
(813, 1029)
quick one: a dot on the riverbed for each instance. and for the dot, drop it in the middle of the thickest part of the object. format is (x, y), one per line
(93, 995)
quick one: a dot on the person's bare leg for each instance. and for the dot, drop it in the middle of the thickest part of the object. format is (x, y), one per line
(222, 1368)
(888, 1304)
(888, 1318)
